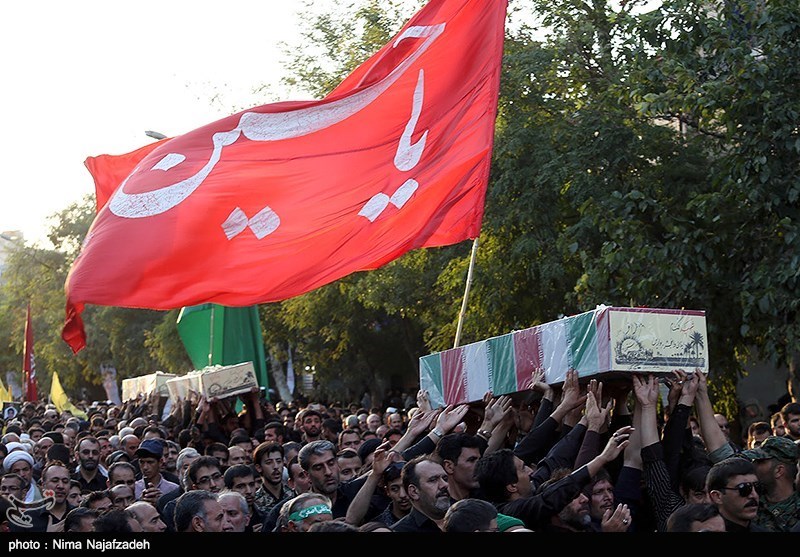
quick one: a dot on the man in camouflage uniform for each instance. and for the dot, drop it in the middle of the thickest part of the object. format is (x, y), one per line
(776, 468)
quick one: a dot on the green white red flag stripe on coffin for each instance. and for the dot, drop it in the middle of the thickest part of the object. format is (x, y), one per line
(504, 364)
(588, 342)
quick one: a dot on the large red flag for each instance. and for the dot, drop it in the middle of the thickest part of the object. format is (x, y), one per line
(109, 171)
(29, 362)
(275, 201)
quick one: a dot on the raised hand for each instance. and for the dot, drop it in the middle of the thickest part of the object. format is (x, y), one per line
(538, 383)
(423, 401)
(571, 396)
(690, 386)
(451, 417)
(496, 410)
(618, 520)
(384, 457)
(596, 414)
(421, 422)
(702, 384)
(646, 389)
(617, 443)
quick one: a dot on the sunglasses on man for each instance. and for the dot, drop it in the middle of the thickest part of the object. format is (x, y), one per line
(746, 488)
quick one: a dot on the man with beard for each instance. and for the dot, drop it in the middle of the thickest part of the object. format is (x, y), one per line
(299, 482)
(199, 511)
(21, 463)
(733, 487)
(425, 482)
(310, 425)
(88, 472)
(776, 467)
(573, 517)
(577, 515)
(273, 432)
(601, 498)
(169, 467)
(240, 479)
(268, 462)
(790, 413)
(105, 449)
(318, 459)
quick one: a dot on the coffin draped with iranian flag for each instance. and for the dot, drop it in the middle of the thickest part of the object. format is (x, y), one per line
(604, 340)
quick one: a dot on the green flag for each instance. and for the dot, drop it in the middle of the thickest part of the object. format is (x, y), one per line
(221, 335)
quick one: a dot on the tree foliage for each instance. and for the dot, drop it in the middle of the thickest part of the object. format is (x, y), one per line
(644, 156)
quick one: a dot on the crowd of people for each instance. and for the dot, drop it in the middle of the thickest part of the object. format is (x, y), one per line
(587, 455)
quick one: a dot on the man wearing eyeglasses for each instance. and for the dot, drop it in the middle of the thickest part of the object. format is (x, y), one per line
(204, 473)
(776, 467)
(11, 485)
(733, 487)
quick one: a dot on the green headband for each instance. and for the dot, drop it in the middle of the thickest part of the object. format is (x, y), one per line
(308, 511)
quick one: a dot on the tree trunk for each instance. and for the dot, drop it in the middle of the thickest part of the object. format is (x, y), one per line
(279, 377)
(793, 383)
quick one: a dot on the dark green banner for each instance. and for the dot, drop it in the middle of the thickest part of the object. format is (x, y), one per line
(221, 335)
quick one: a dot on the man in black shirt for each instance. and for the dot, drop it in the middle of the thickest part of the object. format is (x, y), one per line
(425, 482)
(88, 472)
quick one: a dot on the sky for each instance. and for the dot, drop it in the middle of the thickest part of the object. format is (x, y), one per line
(90, 77)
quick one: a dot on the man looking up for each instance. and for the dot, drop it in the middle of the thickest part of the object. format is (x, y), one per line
(459, 453)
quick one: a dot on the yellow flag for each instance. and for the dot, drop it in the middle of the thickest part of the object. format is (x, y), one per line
(61, 400)
(5, 396)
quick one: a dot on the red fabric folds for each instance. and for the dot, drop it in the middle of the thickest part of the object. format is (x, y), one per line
(278, 200)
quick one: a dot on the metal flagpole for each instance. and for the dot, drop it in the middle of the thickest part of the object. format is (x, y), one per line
(211, 335)
(466, 292)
